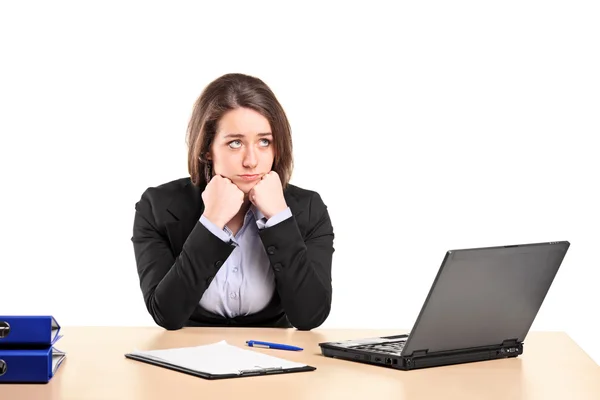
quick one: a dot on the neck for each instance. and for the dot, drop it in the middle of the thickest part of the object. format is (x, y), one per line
(244, 208)
(237, 221)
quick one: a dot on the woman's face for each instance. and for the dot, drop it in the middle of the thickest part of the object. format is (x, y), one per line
(242, 150)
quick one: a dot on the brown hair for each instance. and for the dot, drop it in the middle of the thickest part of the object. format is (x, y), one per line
(226, 93)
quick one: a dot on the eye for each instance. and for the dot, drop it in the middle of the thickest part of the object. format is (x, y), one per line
(264, 142)
(236, 144)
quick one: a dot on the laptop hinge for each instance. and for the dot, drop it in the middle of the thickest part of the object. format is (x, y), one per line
(510, 343)
(420, 353)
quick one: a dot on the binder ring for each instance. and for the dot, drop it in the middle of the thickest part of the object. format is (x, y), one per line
(4, 329)
(3, 367)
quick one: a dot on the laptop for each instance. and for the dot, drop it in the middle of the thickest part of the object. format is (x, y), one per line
(481, 306)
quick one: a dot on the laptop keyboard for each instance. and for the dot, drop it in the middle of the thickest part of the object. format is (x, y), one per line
(389, 347)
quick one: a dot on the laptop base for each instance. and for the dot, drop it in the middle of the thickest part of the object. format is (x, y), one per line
(407, 363)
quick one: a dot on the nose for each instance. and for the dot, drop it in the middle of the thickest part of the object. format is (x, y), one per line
(250, 159)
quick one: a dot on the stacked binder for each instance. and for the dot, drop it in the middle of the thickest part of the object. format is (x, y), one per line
(27, 353)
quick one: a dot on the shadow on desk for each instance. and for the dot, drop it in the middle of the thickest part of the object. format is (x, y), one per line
(486, 379)
(188, 337)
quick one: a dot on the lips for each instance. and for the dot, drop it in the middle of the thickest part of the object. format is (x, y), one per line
(249, 178)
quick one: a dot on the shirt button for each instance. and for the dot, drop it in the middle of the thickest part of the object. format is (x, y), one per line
(233, 295)
(271, 250)
(277, 267)
(235, 269)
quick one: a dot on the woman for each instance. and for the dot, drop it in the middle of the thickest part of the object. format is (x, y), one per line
(235, 244)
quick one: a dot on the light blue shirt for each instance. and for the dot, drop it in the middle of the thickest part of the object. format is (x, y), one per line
(245, 283)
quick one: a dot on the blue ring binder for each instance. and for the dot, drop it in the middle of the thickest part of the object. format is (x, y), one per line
(27, 352)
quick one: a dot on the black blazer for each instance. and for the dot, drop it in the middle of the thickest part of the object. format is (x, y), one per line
(177, 257)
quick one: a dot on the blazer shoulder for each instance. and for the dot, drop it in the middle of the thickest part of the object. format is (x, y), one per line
(306, 199)
(166, 189)
(160, 196)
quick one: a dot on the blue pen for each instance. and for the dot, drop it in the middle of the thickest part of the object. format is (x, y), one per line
(267, 345)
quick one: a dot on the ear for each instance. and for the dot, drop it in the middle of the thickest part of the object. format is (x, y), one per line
(208, 156)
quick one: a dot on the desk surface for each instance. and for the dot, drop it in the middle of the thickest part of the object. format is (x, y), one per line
(552, 366)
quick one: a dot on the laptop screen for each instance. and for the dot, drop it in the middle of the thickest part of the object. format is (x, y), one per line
(482, 297)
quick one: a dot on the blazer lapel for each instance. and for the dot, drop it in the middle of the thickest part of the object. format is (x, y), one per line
(184, 211)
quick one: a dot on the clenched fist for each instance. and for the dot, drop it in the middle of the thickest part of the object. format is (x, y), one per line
(222, 200)
(267, 195)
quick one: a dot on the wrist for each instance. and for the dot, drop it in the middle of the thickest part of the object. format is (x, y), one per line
(278, 210)
(217, 222)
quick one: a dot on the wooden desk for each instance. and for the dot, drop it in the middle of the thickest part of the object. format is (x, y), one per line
(552, 367)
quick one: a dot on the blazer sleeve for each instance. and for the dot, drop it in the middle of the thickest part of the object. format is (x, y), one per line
(302, 266)
(173, 284)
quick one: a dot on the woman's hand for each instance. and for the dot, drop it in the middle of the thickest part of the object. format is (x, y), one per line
(267, 195)
(222, 200)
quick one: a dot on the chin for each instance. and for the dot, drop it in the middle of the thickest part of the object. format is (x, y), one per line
(245, 187)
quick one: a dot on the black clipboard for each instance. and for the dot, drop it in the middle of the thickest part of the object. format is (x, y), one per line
(211, 376)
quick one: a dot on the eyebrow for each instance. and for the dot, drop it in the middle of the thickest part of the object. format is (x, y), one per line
(239, 135)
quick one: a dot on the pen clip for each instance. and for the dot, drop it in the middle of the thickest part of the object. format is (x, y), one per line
(258, 343)
(262, 346)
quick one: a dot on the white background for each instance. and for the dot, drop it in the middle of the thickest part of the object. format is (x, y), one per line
(425, 126)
